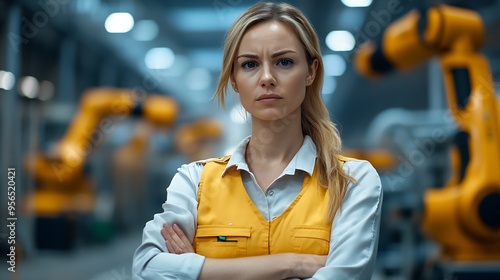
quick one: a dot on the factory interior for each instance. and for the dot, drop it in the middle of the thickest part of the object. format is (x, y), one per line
(83, 170)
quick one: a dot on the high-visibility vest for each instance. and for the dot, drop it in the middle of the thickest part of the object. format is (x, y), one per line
(230, 225)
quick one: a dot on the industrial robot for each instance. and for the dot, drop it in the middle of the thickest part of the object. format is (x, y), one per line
(196, 140)
(463, 216)
(63, 188)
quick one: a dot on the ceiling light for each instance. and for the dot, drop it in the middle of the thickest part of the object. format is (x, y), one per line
(357, 3)
(29, 87)
(7, 80)
(340, 40)
(119, 23)
(159, 58)
(145, 30)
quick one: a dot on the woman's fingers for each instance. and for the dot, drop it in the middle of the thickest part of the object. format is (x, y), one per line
(168, 239)
(177, 243)
(164, 233)
(175, 240)
(169, 247)
(185, 241)
(171, 239)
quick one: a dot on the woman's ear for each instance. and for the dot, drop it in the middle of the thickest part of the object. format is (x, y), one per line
(311, 75)
(233, 83)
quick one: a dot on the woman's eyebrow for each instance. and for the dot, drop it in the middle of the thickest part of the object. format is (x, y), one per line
(279, 53)
(276, 54)
(247, 55)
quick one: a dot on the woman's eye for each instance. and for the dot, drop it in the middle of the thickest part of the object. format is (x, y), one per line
(249, 64)
(285, 62)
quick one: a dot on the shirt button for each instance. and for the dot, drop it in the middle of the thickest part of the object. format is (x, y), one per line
(270, 193)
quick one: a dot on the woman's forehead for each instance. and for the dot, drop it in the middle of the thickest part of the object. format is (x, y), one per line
(269, 35)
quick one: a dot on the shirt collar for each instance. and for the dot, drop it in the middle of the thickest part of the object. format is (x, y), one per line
(303, 160)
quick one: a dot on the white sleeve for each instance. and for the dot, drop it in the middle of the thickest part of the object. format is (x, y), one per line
(152, 259)
(355, 230)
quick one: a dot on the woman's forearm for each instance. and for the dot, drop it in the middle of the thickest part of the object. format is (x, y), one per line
(278, 266)
(259, 267)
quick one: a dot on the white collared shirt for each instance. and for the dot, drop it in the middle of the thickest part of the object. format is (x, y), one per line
(355, 229)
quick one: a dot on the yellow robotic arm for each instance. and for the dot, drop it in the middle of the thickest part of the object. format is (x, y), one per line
(464, 215)
(91, 122)
(418, 36)
(62, 184)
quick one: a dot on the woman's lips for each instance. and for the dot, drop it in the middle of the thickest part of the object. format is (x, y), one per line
(269, 97)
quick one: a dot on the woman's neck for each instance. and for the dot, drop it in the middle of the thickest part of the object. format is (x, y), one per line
(274, 142)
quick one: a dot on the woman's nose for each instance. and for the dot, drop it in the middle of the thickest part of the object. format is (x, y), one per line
(267, 77)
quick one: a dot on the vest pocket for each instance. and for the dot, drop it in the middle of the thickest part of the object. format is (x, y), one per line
(311, 240)
(222, 241)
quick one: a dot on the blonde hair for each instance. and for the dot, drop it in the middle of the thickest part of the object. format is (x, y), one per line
(315, 117)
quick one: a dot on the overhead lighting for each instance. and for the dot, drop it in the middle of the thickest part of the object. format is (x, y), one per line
(119, 23)
(334, 65)
(145, 30)
(357, 3)
(159, 58)
(340, 40)
(29, 87)
(178, 69)
(7, 80)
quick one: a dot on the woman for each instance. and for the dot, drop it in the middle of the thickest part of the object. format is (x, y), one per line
(285, 204)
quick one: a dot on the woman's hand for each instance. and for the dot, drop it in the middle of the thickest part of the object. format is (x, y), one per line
(304, 265)
(175, 240)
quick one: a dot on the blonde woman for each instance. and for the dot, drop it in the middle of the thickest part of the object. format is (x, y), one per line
(285, 204)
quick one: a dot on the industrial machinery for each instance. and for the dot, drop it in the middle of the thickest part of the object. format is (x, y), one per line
(196, 140)
(463, 216)
(63, 189)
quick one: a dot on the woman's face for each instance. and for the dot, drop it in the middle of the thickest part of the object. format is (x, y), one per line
(270, 71)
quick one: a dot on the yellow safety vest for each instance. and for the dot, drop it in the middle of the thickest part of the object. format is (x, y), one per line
(230, 225)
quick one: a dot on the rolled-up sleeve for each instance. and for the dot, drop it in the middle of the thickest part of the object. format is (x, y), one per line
(355, 230)
(152, 259)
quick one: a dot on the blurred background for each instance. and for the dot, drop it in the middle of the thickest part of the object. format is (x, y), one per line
(101, 101)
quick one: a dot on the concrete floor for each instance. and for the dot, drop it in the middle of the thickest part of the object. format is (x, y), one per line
(110, 261)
